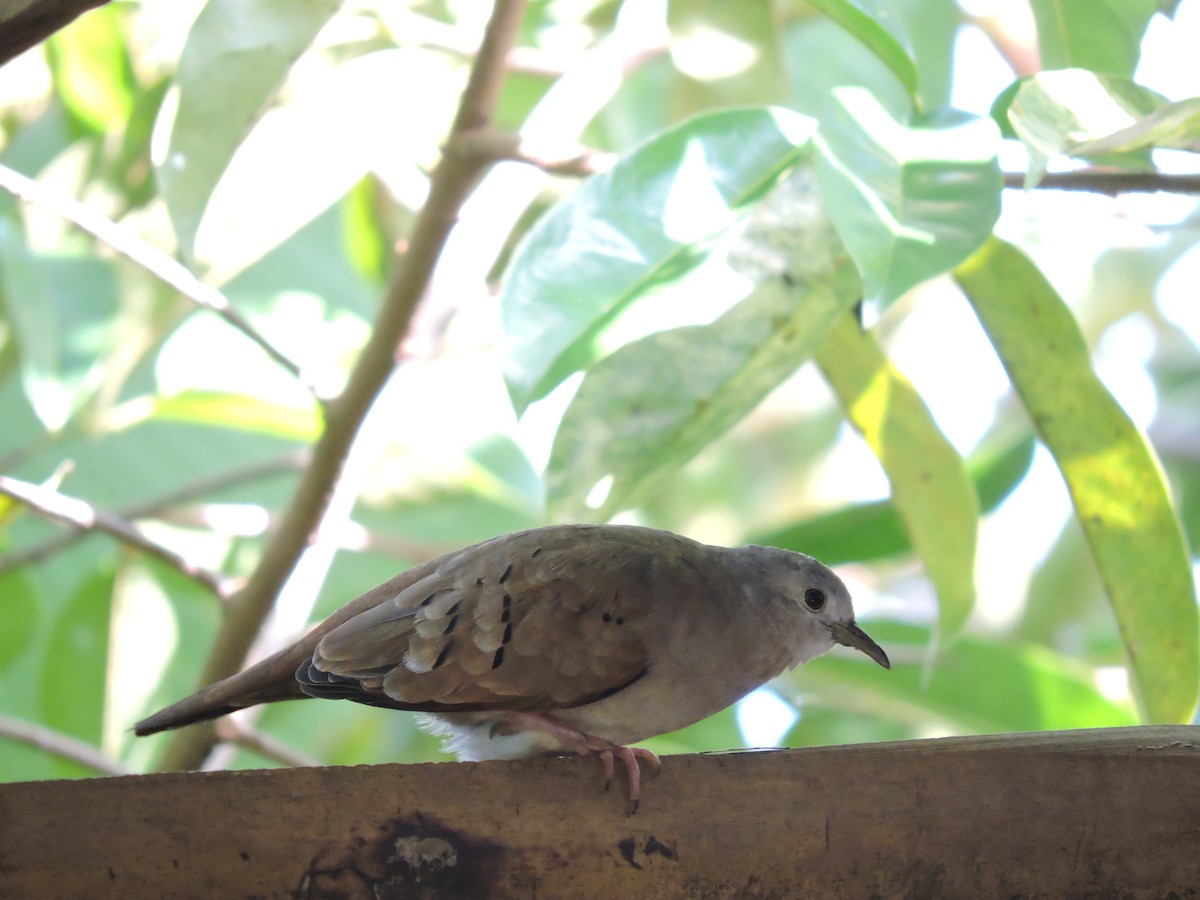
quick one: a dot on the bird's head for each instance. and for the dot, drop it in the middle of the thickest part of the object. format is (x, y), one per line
(823, 604)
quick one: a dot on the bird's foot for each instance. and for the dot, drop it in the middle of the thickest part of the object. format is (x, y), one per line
(585, 744)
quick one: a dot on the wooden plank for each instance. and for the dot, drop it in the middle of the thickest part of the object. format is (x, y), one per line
(1069, 814)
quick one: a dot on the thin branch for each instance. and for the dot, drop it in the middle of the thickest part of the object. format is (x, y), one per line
(1111, 183)
(156, 506)
(80, 514)
(494, 145)
(60, 745)
(262, 744)
(451, 183)
(149, 257)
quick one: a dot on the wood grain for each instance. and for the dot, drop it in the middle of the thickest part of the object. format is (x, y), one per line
(1112, 813)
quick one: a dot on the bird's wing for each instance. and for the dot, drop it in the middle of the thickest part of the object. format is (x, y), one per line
(528, 624)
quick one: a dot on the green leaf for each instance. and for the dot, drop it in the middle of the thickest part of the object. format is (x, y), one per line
(236, 57)
(656, 402)
(1114, 480)
(645, 221)
(870, 531)
(930, 486)
(74, 673)
(1057, 113)
(976, 684)
(20, 614)
(1101, 35)
(877, 25)
(911, 202)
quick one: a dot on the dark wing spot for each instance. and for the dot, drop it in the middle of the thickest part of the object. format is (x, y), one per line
(607, 617)
(437, 663)
(478, 582)
(620, 620)
(507, 572)
(429, 599)
(498, 658)
(504, 615)
(535, 552)
(450, 625)
(507, 601)
(507, 633)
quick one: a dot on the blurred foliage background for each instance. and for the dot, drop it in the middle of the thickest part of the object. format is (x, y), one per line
(201, 205)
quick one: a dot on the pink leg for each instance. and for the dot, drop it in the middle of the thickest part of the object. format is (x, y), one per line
(588, 745)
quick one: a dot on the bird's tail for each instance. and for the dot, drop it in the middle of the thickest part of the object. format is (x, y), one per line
(268, 681)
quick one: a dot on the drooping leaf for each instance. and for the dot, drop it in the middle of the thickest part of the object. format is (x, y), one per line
(647, 220)
(930, 487)
(910, 202)
(1115, 483)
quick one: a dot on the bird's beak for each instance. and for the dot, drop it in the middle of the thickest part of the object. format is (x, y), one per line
(850, 635)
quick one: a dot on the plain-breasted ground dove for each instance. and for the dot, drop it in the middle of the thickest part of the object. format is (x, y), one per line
(564, 639)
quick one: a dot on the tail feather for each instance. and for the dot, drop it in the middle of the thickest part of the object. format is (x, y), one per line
(274, 678)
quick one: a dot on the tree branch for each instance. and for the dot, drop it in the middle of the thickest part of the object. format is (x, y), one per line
(82, 515)
(58, 744)
(262, 744)
(148, 257)
(451, 183)
(156, 506)
(1111, 183)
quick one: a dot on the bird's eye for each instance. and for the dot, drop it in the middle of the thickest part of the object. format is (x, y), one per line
(814, 599)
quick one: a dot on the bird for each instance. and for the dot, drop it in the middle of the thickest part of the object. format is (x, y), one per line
(564, 639)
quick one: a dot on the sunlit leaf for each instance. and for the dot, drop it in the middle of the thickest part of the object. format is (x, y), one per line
(877, 25)
(647, 220)
(1101, 35)
(930, 487)
(1059, 112)
(304, 155)
(92, 71)
(910, 202)
(237, 55)
(655, 402)
(1114, 480)
(241, 411)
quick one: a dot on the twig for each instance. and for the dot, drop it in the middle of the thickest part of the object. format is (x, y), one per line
(1111, 183)
(79, 514)
(494, 145)
(450, 184)
(149, 257)
(199, 488)
(262, 744)
(59, 744)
